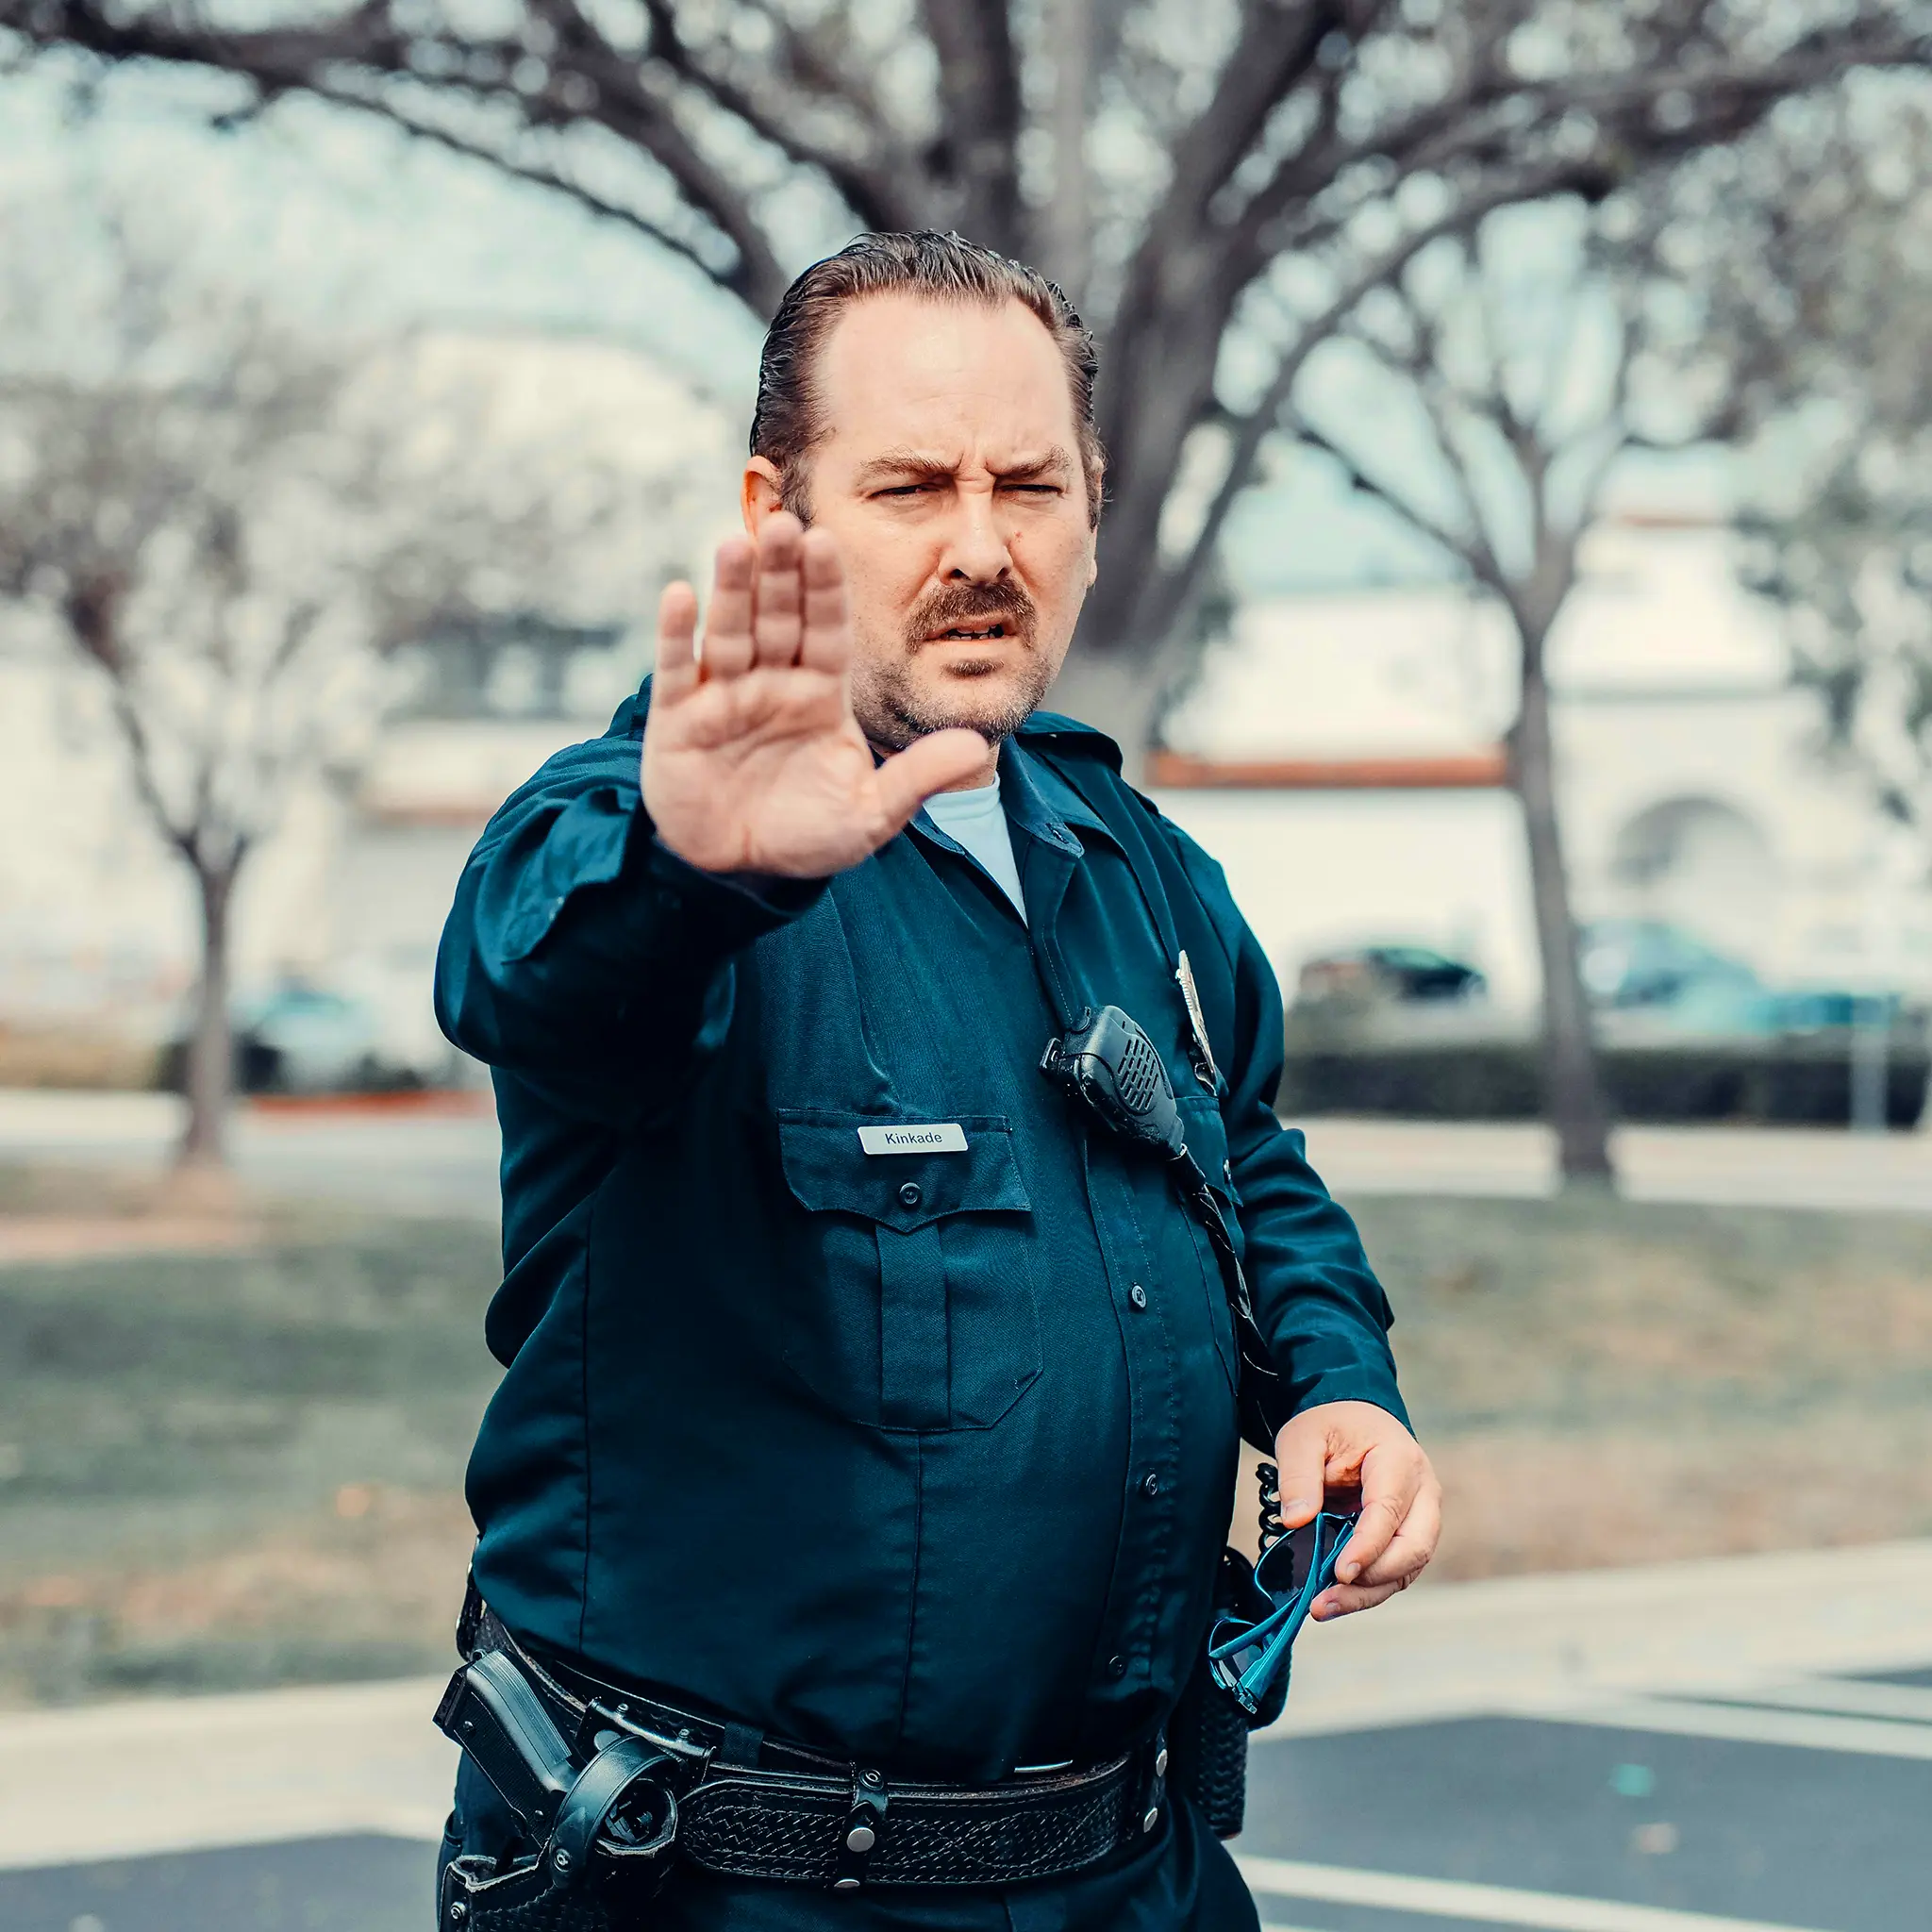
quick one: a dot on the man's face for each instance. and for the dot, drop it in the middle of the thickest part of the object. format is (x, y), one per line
(949, 473)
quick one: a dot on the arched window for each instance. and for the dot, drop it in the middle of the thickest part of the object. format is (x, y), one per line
(1704, 866)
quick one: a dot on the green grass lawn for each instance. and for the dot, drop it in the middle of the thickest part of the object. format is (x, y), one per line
(237, 1469)
(1606, 1382)
(232, 1469)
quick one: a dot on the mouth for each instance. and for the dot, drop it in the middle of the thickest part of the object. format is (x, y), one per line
(969, 633)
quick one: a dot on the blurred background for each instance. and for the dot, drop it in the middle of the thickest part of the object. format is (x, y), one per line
(1517, 570)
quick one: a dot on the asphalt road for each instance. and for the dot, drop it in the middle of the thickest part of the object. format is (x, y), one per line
(1460, 1824)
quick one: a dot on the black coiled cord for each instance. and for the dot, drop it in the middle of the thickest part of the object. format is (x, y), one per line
(1273, 1528)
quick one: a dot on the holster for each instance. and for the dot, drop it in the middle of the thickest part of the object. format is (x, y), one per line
(1208, 1734)
(603, 1814)
(527, 1898)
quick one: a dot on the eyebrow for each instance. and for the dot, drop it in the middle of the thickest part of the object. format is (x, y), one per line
(902, 465)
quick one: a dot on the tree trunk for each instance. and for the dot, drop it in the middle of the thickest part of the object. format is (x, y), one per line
(1116, 693)
(210, 1071)
(1066, 227)
(1156, 383)
(1572, 1082)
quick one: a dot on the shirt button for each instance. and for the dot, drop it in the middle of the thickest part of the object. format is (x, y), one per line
(911, 1194)
(1152, 1486)
(1116, 1667)
(1138, 1295)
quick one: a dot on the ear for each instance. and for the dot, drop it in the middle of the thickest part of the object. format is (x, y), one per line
(760, 493)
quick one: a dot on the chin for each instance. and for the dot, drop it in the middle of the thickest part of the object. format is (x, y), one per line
(995, 703)
(896, 707)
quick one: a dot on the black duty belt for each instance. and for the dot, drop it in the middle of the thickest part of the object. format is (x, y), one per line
(734, 1803)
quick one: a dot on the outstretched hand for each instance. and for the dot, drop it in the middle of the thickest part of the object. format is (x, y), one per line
(753, 760)
(1355, 1445)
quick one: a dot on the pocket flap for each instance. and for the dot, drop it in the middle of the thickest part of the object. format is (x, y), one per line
(827, 1168)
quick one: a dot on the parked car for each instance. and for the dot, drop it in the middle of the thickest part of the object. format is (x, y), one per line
(1685, 1033)
(1378, 975)
(1631, 964)
(296, 1037)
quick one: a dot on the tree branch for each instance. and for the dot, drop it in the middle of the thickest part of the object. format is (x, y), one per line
(868, 185)
(1472, 553)
(735, 280)
(317, 61)
(1262, 420)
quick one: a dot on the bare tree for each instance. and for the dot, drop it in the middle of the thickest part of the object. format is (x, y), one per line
(1510, 371)
(1820, 268)
(232, 530)
(1175, 162)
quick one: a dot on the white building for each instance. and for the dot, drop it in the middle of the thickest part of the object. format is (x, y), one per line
(1341, 757)
(97, 919)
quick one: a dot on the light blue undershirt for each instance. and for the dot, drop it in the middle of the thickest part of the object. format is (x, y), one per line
(977, 821)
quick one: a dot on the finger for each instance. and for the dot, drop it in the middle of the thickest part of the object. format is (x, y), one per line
(727, 624)
(826, 642)
(1391, 1480)
(929, 764)
(779, 617)
(1301, 1451)
(676, 670)
(1345, 1599)
(1412, 1547)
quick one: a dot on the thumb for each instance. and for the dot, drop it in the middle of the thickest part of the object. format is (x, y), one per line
(1301, 1450)
(929, 764)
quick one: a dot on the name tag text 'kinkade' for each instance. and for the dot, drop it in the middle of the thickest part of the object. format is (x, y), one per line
(931, 1136)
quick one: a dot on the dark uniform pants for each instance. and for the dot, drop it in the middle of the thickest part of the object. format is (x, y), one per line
(1184, 1882)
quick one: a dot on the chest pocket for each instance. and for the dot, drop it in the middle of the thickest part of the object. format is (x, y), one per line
(922, 1314)
(1206, 1138)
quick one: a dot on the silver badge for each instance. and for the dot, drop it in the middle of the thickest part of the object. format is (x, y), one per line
(1199, 1052)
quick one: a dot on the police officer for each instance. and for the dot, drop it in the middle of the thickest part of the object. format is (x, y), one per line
(867, 1404)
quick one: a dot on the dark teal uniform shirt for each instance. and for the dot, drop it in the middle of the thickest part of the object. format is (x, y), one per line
(922, 1458)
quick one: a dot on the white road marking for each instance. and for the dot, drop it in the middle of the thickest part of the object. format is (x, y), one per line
(1739, 1724)
(1497, 1905)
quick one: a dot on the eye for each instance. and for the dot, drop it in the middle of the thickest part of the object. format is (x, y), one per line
(903, 490)
(1036, 488)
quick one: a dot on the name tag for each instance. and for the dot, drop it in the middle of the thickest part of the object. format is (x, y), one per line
(937, 1137)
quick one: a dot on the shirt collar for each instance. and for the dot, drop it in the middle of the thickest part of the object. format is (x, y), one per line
(1042, 803)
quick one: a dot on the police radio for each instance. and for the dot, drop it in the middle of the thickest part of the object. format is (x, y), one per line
(1106, 1062)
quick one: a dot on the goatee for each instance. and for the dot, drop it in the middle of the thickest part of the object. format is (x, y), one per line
(897, 710)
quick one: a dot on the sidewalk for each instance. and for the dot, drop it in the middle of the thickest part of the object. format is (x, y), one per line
(116, 1780)
(443, 1160)
(1720, 1166)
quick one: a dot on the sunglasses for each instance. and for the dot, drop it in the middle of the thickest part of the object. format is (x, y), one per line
(1248, 1646)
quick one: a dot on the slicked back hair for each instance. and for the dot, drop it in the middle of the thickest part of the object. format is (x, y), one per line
(788, 423)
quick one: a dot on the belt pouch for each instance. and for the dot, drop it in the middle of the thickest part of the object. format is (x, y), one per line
(1208, 1734)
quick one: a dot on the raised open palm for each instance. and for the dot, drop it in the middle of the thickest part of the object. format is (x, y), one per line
(753, 760)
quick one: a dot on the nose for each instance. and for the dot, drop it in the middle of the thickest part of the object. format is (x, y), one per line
(975, 551)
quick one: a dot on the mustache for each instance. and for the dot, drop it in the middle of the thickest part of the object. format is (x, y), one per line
(962, 605)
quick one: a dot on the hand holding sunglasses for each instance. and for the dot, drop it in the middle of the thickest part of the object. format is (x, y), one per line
(1249, 1643)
